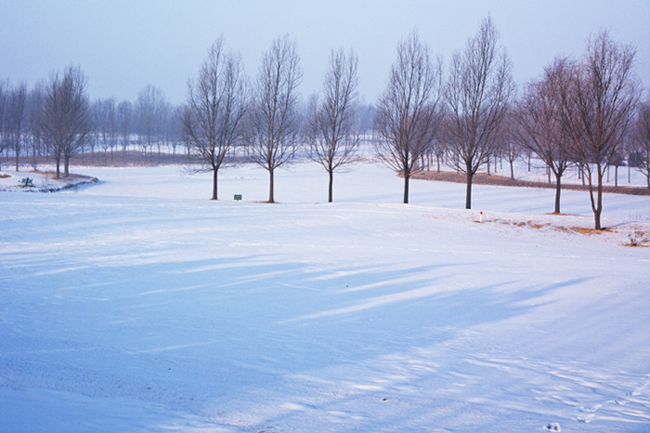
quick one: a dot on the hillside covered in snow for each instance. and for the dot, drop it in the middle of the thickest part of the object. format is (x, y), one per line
(135, 304)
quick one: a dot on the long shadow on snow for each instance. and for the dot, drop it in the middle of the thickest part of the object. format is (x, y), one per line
(186, 332)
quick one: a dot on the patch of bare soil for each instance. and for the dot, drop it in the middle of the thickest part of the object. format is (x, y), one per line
(4, 176)
(484, 179)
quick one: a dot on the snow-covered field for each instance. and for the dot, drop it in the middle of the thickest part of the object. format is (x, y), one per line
(137, 305)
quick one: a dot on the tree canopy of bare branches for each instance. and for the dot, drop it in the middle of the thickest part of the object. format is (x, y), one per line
(538, 121)
(274, 121)
(408, 113)
(598, 107)
(332, 130)
(478, 94)
(65, 120)
(216, 104)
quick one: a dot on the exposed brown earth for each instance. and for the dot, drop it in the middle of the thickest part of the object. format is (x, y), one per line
(484, 179)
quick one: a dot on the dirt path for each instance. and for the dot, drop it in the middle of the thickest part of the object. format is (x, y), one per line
(484, 179)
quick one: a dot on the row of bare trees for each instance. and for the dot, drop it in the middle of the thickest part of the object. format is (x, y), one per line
(582, 112)
(579, 112)
(225, 110)
(53, 118)
(148, 123)
(417, 111)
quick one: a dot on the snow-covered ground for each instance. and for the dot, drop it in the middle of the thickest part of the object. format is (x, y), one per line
(137, 305)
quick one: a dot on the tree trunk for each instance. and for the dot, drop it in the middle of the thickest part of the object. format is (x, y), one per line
(468, 193)
(271, 200)
(512, 170)
(331, 184)
(616, 175)
(599, 209)
(407, 174)
(597, 204)
(558, 190)
(215, 173)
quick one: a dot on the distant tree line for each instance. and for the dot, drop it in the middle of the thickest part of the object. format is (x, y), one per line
(584, 113)
(56, 121)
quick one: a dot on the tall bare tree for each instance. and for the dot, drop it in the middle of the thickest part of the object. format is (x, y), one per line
(510, 148)
(478, 94)
(274, 122)
(332, 131)
(15, 117)
(3, 105)
(35, 100)
(148, 110)
(598, 107)
(409, 115)
(538, 119)
(125, 124)
(641, 140)
(105, 124)
(65, 120)
(216, 104)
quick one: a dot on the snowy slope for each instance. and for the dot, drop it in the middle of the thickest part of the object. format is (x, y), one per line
(137, 305)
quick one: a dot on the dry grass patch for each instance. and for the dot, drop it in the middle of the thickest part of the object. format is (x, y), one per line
(636, 236)
(565, 229)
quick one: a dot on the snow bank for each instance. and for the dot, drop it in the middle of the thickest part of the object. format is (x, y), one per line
(37, 181)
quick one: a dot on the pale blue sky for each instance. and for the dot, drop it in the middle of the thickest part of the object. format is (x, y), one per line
(123, 45)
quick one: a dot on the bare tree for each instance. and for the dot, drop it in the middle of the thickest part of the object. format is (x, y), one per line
(510, 148)
(216, 104)
(641, 140)
(3, 104)
(125, 124)
(332, 130)
(274, 122)
(14, 118)
(408, 113)
(35, 100)
(538, 120)
(105, 124)
(148, 109)
(65, 120)
(478, 93)
(163, 122)
(598, 108)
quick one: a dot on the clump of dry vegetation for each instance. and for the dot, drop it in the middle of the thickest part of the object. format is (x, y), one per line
(637, 237)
